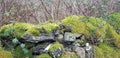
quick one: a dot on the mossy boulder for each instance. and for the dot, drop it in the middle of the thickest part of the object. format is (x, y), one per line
(56, 46)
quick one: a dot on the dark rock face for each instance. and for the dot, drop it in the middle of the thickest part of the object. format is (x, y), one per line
(35, 39)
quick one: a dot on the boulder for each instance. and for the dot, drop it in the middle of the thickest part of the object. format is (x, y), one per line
(80, 52)
(69, 37)
(60, 38)
(35, 39)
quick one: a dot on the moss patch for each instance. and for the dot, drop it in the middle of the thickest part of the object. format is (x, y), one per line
(55, 46)
(18, 29)
(49, 26)
(69, 55)
(44, 56)
(5, 54)
(105, 51)
(77, 25)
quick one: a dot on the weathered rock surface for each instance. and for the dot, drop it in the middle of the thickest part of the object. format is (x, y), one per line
(35, 39)
(80, 52)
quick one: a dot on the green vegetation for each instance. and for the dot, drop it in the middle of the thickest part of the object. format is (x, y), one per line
(106, 29)
(77, 25)
(5, 54)
(48, 26)
(105, 51)
(17, 29)
(44, 56)
(114, 20)
(55, 46)
(22, 53)
(69, 55)
(93, 27)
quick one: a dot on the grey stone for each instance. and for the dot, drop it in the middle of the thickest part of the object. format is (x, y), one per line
(80, 52)
(69, 37)
(60, 38)
(35, 39)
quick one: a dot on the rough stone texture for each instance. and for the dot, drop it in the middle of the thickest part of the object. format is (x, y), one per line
(36, 39)
(60, 38)
(80, 52)
(69, 37)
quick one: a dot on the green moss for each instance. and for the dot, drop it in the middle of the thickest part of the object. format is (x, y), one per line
(18, 29)
(105, 51)
(99, 53)
(101, 29)
(101, 32)
(69, 55)
(44, 56)
(77, 25)
(34, 31)
(49, 27)
(55, 46)
(81, 42)
(114, 20)
(113, 35)
(5, 54)
(117, 54)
